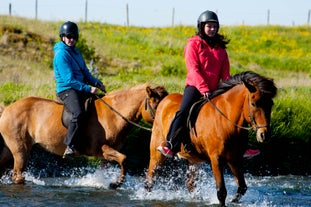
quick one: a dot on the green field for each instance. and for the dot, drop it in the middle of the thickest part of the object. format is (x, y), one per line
(127, 56)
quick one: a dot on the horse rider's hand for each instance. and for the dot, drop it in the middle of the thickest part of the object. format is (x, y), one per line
(102, 88)
(93, 90)
(206, 95)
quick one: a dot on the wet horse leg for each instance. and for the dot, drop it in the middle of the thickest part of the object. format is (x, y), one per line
(217, 167)
(240, 180)
(156, 160)
(111, 154)
(20, 162)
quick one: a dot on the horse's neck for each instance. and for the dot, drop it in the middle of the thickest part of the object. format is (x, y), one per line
(127, 104)
(235, 97)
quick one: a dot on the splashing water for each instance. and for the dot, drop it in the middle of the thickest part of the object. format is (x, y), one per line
(90, 187)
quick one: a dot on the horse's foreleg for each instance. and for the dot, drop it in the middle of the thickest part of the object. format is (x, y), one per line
(240, 180)
(217, 167)
(111, 154)
(156, 160)
(149, 175)
(191, 176)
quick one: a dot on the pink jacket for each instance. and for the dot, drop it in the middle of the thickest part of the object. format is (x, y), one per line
(206, 66)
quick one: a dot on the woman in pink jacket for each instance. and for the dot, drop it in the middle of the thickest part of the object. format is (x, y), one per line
(207, 64)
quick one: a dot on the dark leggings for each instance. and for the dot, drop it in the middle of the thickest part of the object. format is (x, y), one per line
(74, 102)
(178, 129)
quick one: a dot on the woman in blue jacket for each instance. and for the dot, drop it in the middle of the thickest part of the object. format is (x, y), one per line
(74, 82)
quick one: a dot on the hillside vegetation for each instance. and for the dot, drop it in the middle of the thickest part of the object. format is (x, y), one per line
(126, 56)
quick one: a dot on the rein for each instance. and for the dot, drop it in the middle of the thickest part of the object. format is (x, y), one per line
(124, 118)
(241, 127)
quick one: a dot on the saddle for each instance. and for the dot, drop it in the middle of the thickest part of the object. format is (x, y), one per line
(67, 115)
(193, 114)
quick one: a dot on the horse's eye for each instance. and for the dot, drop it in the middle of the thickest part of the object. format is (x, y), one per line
(253, 104)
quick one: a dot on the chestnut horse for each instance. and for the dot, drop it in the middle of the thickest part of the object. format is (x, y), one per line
(220, 133)
(35, 120)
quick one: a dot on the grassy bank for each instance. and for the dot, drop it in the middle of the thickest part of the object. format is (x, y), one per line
(126, 56)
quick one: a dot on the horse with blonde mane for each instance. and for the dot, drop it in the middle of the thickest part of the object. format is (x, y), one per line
(220, 132)
(35, 120)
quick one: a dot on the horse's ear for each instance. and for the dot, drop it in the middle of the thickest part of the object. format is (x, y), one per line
(250, 86)
(149, 91)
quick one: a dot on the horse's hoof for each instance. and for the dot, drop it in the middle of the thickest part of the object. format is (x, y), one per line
(148, 186)
(114, 185)
(18, 180)
(236, 198)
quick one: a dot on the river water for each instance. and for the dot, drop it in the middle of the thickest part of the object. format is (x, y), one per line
(89, 186)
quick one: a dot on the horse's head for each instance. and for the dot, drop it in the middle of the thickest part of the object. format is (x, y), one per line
(258, 104)
(154, 96)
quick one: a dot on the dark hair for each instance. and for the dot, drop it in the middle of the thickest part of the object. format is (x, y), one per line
(218, 40)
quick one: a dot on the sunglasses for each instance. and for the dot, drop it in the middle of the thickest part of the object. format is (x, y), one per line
(70, 36)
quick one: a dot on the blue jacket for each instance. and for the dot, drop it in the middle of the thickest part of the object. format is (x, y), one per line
(70, 70)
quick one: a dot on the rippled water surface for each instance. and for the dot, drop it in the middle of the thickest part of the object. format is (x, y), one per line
(91, 188)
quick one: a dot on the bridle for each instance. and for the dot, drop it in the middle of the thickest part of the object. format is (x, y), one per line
(151, 109)
(254, 125)
(147, 103)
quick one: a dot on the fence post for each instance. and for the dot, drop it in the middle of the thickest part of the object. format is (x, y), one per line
(36, 10)
(268, 17)
(127, 15)
(309, 14)
(173, 16)
(85, 18)
(10, 9)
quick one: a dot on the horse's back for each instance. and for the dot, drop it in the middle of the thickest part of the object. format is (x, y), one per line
(30, 116)
(27, 107)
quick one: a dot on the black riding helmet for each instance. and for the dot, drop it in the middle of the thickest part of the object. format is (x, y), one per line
(69, 28)
(207, 16)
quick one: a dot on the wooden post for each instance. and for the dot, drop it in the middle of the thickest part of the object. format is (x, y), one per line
(127, 15)
(309, 14)
(173, 16)
(85, 18)
(36, 10)
(10, 9)
(268, 17)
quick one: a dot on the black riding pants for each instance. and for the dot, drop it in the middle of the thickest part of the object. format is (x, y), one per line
(74, 102)
(178, 128)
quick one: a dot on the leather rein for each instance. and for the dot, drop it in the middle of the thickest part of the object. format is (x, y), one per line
(147, 104)
(253, 122)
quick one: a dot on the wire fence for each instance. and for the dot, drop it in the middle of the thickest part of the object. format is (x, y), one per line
(85, 11)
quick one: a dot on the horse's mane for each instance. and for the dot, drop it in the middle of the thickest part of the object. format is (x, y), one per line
(265, 85)
(160, 90)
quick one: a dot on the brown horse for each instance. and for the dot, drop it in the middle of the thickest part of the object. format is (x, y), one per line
(35, 120)
(220, 133)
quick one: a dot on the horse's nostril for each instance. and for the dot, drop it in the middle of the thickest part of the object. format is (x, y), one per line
(263, 135)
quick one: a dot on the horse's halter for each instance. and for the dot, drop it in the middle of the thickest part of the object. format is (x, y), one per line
(255, 127)
(151, 109)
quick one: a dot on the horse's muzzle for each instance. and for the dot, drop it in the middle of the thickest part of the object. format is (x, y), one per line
(263, 134)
